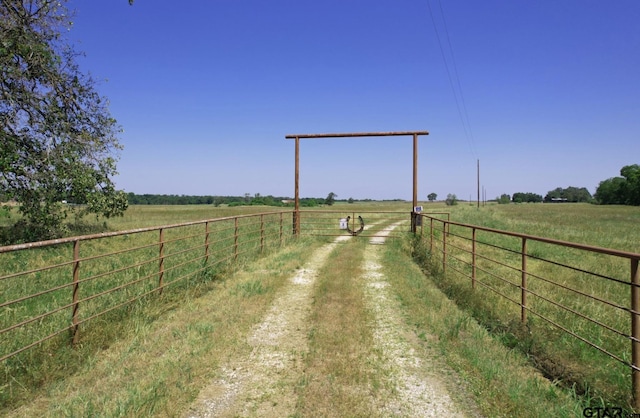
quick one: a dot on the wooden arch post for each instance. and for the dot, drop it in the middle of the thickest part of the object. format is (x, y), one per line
(297, 137)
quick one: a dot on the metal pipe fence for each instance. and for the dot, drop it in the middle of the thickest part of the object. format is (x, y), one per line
(54, 287)
(557, 288)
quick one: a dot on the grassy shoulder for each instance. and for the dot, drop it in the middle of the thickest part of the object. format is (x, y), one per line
(502, 381)
(567, 287)
(154, 360)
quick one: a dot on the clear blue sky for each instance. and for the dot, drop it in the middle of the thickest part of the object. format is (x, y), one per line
(544, 93)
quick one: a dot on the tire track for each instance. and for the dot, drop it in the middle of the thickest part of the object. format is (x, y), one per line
(263, 384)
(418, 392)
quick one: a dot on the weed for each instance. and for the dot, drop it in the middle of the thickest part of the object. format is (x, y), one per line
(249, 289)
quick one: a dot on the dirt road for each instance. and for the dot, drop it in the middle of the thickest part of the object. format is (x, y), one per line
(264, 382)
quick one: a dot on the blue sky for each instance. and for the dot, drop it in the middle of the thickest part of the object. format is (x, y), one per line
(544, 93)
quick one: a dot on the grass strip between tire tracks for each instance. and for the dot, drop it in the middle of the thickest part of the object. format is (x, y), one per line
(340, 378)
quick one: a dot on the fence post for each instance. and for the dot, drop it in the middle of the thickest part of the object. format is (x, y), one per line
(261, 233)
(206, 243)
(76, 290)
(473, 258)
(523, 288)
(635, 333)
(431, 240)
(161, 262)
(295, 222)
(235, 240)
(281, 229)
(444, 247)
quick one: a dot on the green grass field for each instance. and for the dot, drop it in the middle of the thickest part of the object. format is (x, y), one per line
(612, 227)
(558, 355)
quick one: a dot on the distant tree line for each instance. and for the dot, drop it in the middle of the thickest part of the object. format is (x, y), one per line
(570, 194)
(623, 190)
(519, 197)
(246, 200)
(173, 199)
(526, 198)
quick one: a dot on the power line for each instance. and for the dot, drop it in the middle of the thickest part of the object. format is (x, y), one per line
(462, 110)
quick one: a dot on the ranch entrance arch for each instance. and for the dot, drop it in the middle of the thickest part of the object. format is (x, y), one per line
(297, 137)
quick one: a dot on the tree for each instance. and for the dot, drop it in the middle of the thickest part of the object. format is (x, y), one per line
(623, 190)
(632, 174)
(570, 194)
(331, 198)
(612, 191)
(57, 139)
(504, 199)
(451, 200)
(520, 197)
(432, 197)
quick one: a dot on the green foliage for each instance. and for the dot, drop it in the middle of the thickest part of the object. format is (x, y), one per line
(311, 202)
(526, 198)
(451, 200)
(331, 198)
(570, 194)
(432, 197)
(612, 191)
(504, 199)
(57, 138)
(171, 199)
(249, 289)
(632, 174)
(623, 190)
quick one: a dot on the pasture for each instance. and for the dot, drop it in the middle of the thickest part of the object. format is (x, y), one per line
(612, 227)
(578, 302)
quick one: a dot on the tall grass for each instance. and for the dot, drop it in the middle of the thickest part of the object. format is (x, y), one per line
(553, 272)
(156, 357)
(116, 275)
(599, 225)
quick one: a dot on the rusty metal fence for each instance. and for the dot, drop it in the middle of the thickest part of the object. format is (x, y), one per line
(55, 287)
(51, 288)
(578, 293)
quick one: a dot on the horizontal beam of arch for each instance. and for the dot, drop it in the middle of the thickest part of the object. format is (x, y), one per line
(358, 134)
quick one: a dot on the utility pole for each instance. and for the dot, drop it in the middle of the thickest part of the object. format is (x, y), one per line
(478, 184)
